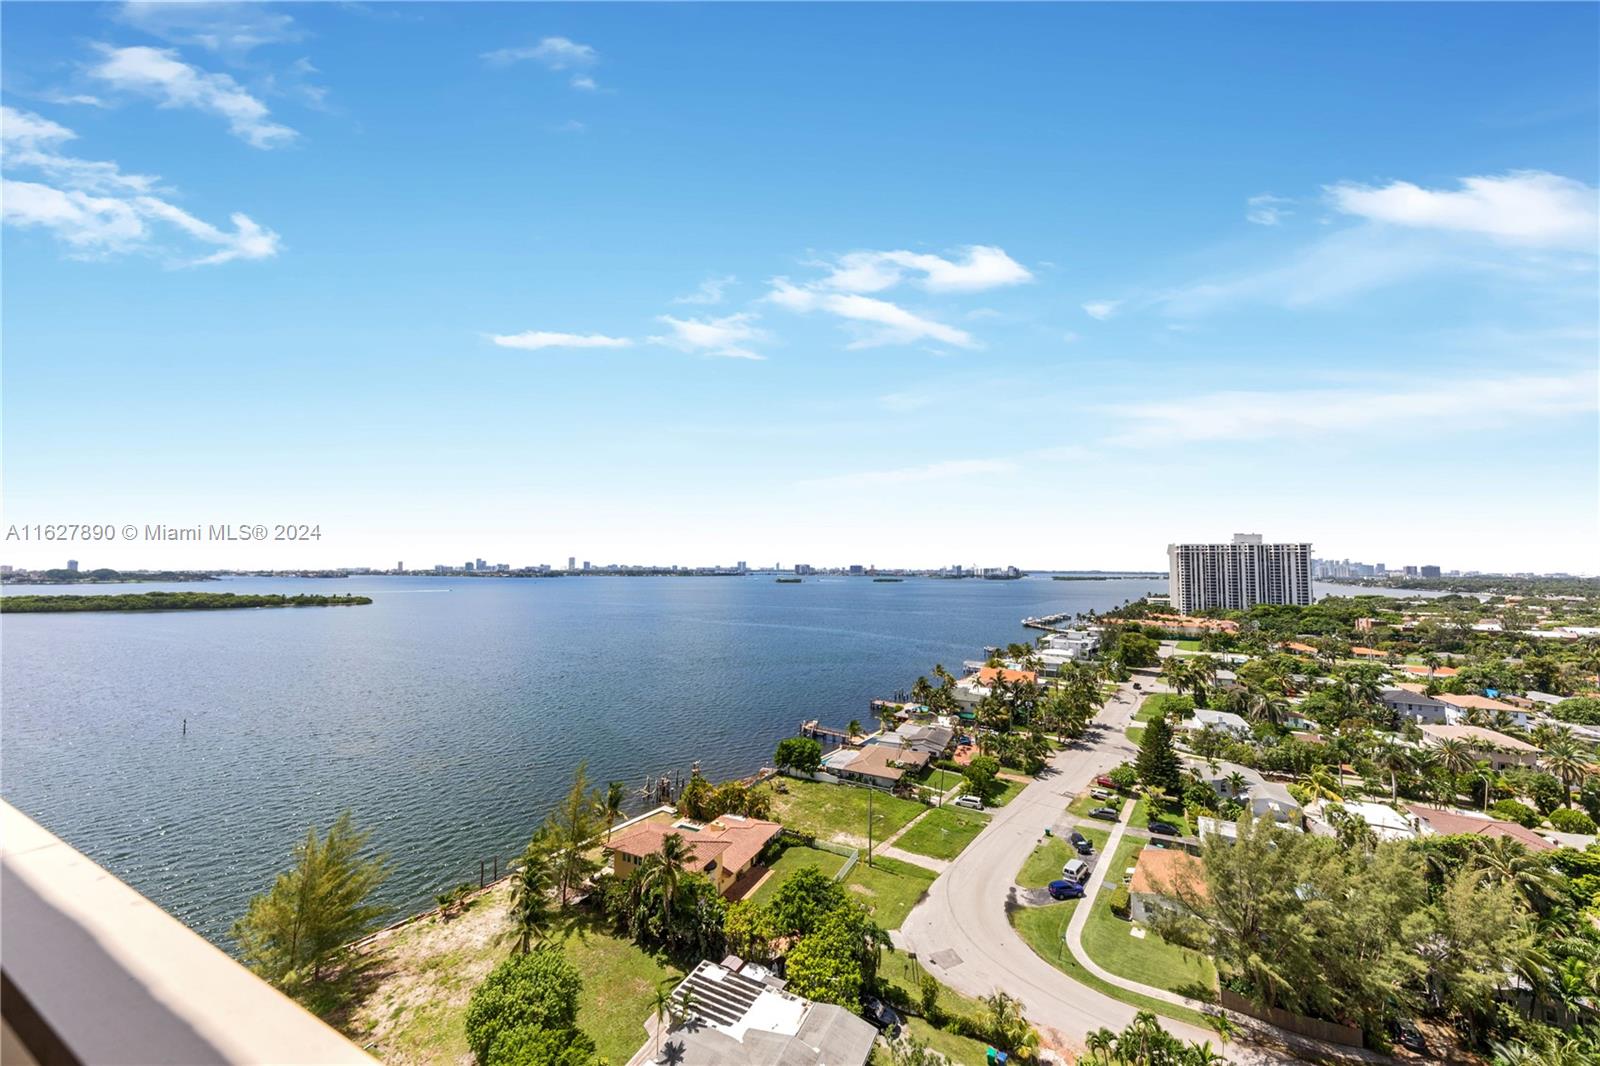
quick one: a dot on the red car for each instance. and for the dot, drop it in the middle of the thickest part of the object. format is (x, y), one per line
(1105, 782)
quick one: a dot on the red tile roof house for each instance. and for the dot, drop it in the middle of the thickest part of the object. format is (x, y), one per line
(1449, 823)
(723, 849)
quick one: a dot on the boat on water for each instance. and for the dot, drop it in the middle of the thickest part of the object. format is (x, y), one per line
(790, 580)
(888, 580)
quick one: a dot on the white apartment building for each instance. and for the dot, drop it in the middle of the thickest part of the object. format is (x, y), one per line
(1238, 575)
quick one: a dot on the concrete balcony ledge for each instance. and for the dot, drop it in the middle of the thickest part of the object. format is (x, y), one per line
(95, 973)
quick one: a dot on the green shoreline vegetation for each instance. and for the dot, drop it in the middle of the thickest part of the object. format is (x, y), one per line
(167, 601)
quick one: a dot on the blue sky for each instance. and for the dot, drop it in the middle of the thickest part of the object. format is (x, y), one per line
(903, 284)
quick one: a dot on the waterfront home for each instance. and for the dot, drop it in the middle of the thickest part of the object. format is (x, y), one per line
(1157, 874)
(1188, 626)
(724, 849)
(743, 1015)
(931, 738)
(879, 765)
(974, 687)
(1460, 707)
(1206, 718)
(1436, 820)
(1409, 701)
(1498, 749)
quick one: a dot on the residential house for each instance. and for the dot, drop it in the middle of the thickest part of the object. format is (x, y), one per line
(974, 687)
(1498, 749)
(878, 765)
(723, 849)
(1461, 707)
(1411, 702)
(1433, 820)
(1206, 718)
(1157, 874)
(1297, 647)
(932, 738)
(1423, 671)
(1386, 822)
(744, 1016)
(1265, 799)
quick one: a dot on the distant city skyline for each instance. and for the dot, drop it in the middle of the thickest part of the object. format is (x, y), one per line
(711, 282)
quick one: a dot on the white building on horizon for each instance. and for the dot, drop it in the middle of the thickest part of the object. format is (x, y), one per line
(1238, 575)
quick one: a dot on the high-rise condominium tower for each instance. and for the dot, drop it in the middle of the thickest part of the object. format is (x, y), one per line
(1238, 575)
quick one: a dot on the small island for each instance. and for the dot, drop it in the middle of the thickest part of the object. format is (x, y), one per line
(168, 601)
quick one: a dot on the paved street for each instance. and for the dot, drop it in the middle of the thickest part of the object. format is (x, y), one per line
(960, 930)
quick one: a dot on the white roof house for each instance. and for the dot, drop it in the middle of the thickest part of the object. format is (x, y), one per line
(1205, 718)
(1382, 819)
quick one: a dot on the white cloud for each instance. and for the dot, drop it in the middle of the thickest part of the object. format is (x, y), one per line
(1528, 207)
(1266, 209)
(553, 53)
(1254, 415)
(1101, 309)
(234, 28)
(97, 210)
(709, 291)
(66, 99)
(533, 340)
(728, 337)
(982, 267)
(886, 323)
(158, 73)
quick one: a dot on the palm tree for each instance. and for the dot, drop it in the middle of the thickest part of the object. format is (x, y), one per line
(663, 872)
(1503, 860)
(1323, 785)
(1175, 672)
(1566, 758)
(853, 730)
(611, 804)
(530, 896)
(1394, 759)
(1431, 661)
(1486, 775)
(1267, 707)
(1101, 1043)
(1455, 756)
(1237, 784)
(661, 1006)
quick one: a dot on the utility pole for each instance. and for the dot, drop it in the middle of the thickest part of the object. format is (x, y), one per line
(870, 790)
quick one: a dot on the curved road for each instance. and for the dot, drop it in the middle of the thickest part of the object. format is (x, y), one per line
(960, 930)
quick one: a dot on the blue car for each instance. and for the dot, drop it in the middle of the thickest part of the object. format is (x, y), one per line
(1065, 890)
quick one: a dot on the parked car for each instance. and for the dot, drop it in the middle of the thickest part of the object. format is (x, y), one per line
(883, 1017)
(1105, 814)
(1076, 871)
(972, 803)
(1166, 829)
(1065, 890)
(1102, 793)
(1408, 1036)
(1080, 842)
(1105, 782)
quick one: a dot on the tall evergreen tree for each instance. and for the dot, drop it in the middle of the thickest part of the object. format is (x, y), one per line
(1157, 764)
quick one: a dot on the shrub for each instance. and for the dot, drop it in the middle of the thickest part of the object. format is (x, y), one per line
(1512, 811)
(1124, 777)
(538, 990)
(1585, 710)
(534, 1045)
(1568, 820)
(1121, 903)
(798, 753)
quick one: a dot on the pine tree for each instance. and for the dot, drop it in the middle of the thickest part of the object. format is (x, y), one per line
(1158, 762)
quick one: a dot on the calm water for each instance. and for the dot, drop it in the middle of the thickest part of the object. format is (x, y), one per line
(449, 713)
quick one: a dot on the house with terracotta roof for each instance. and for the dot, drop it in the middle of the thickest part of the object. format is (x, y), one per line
(1189, 626)
(1462, 706)
(1368, 653)
(1297, 647)
(723, 849)
(1157, 874)
(1498, 749)
(1431, 820)
(1423, 671)
(974, 687)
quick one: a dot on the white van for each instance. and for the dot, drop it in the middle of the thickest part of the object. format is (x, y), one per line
(1075, 870)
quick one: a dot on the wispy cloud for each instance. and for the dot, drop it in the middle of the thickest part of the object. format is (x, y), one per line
(160, 74)
(728, 337)
(710, 291)
(534, 340)
(1266, 209)
(1101, 309)
(69, 99)
(1257, 415)
(560, 54)
(878, 322)
(234, 28)
(978, 267)
(97, 210)
(1527, 207)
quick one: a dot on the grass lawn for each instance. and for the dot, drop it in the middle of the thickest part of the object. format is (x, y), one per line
(1042, 929)
(839, 812)
(422, 975)
(1173, 813)
(1044, 865)
(1187, 645)
(1009, 793)
(889, 887)
(1148, 960)
(942, 832)
(906, 973)
(792, 862)
(1155, 705)
(1135, 733)
(1086, 803)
